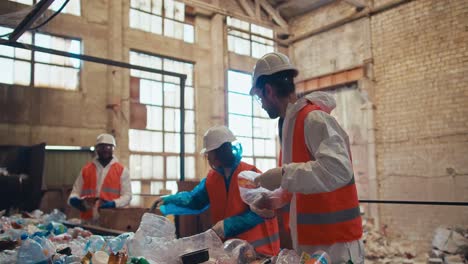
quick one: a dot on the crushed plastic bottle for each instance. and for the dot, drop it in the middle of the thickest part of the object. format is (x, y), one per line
(30, 252)
(117, 243)
(56, 216)
(95, 243)
(47, 247)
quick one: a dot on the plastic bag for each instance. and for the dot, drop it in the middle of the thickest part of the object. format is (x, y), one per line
(259, 197)
(240, 250)
(287, 256)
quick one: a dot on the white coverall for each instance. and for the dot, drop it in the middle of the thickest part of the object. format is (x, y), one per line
(331, 170)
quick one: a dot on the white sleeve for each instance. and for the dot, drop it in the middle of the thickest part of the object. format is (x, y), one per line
(76, 191)
(332, 167)
(125, 191)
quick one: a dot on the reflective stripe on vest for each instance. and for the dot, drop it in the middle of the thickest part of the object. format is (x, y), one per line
(328, 217)
(224, 204)
(110, 190)
(265, 241)
(88, 192)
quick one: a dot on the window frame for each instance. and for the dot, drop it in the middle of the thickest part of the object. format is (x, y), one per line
(146, 183)
(33, 61)
(250, 38)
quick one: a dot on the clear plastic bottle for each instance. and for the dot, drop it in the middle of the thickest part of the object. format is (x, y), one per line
(30, 252)
(319, 257)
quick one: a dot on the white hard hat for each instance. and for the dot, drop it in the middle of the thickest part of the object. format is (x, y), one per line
(215, 137)
(269, 64)
(105, 139)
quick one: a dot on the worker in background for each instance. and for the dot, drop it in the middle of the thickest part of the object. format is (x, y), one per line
(315, 166)
(230, 216)
(102, 183)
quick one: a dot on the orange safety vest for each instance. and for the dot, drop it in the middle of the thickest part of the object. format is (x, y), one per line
(263, 237)
(110, 189)
(329, 217)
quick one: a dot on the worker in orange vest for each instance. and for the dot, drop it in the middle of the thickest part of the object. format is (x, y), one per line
(230, 216)
(315, 166)
(102, 183)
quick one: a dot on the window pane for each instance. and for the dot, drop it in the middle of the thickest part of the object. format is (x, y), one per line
(172, 142)
(240, 104)
(259, 147)
(173, 167)
(248, 160)
(148, 141)
(158, 167)
(171, 95)
(156, 7)
(189, 143)
(189, 35)
(246, 145)
(171, 185)
(150, 92)
(169, 28)
(146, 166)
(172, 120)
(22, 72)
(264, 128)
(240, 125)
(156, 25)
(6, 69)
(189, 168)
(156, 187)
(189, 98)
(265, 164)
(189, 122)
(154, 117)
(239, 82)
(135, 166)
(42, 75)
(259, 111)
(136, 187)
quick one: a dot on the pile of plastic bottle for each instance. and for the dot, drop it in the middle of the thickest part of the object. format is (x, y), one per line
(43, 238)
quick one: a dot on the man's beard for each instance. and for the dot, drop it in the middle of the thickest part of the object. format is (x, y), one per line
(272, 112)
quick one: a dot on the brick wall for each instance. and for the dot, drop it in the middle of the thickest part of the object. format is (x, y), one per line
(420, 60)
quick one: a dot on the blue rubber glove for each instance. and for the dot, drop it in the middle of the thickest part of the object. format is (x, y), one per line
(77, 203)
(108, 204)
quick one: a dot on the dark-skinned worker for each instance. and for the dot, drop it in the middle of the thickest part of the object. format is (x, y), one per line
(102, 183)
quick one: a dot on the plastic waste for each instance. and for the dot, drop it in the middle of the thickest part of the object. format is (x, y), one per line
(240, 250)
(47, 247)
(100, 257)
(95, 243)
(72, 259)
(56, 228)
(156, 226)
(30, 252)
(8, 256)
(117, 243)
(318, 257)
(287, 256)
(56, 216)
(258, 196)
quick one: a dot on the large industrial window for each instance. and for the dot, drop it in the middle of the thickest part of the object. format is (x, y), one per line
(249, 39)
(162, 17)
(250, 123)
(154, 135)
(73, 7)
(50, 71)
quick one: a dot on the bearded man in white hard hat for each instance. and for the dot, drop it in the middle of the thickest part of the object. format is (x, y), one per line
(315, 166)
(102, 183)
(230, 216)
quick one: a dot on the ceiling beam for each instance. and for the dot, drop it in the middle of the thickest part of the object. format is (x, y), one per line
(258, 10)
(246, 7)
(274, 14)
(30, 18)
(356, 3)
